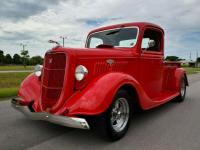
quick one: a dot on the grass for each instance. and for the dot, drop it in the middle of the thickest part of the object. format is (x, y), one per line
(191, 70)
(7, 68)
(9, 83)
(8, 92)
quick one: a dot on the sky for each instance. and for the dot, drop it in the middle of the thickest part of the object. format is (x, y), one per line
(34, 22)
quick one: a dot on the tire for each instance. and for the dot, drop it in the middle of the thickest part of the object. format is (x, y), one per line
(114, 123)
(182, 91)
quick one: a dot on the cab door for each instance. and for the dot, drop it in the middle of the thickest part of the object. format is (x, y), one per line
(151, 62)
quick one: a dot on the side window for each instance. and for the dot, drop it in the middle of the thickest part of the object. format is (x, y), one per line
(95, 41)
(127, 43)
(151, 40)
(145, 43)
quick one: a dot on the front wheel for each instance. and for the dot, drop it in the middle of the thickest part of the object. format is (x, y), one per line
(115, 121)
(119, 115)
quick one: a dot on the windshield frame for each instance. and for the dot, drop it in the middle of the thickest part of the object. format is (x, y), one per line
(118, 28)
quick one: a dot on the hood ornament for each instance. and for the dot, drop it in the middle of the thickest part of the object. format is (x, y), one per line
(110, 61)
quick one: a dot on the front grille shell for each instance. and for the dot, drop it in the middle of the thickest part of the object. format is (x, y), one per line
(53, 79)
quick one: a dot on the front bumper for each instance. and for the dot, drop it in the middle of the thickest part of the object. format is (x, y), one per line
(61, 120)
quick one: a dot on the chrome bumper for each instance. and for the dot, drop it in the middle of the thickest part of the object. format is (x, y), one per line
(61, 120)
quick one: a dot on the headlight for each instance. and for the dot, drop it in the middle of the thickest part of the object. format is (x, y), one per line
(80, 72)
(38, 70)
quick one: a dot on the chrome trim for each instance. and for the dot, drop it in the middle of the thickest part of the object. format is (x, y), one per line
(80, 69)
(38, 70)
(60, 120)
(120, 114)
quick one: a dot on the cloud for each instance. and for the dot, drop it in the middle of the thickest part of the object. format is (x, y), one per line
(36, 22)
(22, 9)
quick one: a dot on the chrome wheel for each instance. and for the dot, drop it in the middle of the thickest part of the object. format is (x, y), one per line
(183, 88)
(120, 114)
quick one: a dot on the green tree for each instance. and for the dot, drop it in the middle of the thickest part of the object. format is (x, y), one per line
(172, 58)
(24, 56)
(16, 59)
(8, 59)
(1, 57)
(198, 59)
(36, 60)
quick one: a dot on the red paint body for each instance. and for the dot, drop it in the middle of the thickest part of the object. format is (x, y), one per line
(57, 91)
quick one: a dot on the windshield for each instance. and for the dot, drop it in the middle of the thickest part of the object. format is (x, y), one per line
(120, 37)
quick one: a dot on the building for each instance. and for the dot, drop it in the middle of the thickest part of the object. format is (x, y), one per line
(188, 63)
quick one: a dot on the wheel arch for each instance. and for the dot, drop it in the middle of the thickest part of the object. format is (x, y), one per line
(92, 100)
(179, 74)
(186, 79)
(132, 92)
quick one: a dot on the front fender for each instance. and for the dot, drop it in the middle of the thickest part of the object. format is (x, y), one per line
(98, 95)
(30, 90)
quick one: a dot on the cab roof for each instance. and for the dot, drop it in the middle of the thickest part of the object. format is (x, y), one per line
(138, 24)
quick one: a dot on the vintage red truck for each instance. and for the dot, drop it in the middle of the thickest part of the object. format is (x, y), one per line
(120, 67)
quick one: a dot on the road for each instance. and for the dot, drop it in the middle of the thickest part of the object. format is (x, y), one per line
(174, 126)
(15, 71)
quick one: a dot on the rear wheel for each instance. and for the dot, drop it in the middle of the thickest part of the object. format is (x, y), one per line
(182, 91)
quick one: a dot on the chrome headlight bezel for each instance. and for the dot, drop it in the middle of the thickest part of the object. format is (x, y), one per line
(80, 72)
(38, 70)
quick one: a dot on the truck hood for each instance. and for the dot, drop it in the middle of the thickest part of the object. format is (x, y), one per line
(98, 52)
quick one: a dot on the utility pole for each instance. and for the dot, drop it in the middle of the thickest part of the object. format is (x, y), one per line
(23, 46)
(190, 56)
(24, 54)
(63, 39)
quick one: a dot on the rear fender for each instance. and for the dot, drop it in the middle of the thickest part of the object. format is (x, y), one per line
(98, 95)
(179, 74)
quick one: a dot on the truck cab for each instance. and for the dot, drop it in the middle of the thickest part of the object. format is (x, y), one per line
(120, 67)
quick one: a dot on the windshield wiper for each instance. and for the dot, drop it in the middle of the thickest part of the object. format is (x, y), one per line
(104, 46)
(115, 31)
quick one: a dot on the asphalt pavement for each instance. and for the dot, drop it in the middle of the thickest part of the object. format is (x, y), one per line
(15, 71)
(173, 126)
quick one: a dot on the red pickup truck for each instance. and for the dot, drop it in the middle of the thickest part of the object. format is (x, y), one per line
(121, 66)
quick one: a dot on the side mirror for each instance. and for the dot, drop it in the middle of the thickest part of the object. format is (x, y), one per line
(52, 41)
(151, 43)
